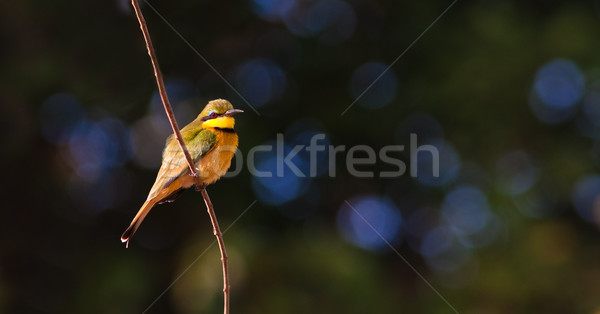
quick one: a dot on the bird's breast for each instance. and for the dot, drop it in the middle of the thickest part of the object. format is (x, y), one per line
(215, 163)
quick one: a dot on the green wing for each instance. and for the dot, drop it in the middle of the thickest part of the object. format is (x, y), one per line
(197, 142)
(201, 143)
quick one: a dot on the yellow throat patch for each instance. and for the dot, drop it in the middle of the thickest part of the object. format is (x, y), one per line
(220, 122)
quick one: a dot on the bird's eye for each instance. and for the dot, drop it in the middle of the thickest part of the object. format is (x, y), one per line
(212, 114)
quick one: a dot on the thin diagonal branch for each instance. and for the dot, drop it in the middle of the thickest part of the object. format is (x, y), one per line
(199, 184)
(201, 57)
(224, 257)
(161, 86)
(198, 257)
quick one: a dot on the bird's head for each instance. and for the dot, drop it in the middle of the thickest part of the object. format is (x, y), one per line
(218, 113)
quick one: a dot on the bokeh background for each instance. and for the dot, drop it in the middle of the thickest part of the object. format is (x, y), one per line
(508, 91)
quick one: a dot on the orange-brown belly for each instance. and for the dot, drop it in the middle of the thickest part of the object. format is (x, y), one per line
(215, 163)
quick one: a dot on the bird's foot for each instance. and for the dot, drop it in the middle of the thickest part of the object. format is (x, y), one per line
(200, 187)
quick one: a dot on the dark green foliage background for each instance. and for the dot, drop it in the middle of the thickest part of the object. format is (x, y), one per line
(473, 71)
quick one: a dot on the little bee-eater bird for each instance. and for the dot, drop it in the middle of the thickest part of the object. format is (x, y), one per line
(211, 142)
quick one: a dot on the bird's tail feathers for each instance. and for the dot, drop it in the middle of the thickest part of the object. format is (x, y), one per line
(137, 220)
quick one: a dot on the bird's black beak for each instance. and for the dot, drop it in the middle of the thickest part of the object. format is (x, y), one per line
(231, 112)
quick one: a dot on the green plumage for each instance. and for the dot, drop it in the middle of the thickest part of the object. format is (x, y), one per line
(197, 141)
(211, 142)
